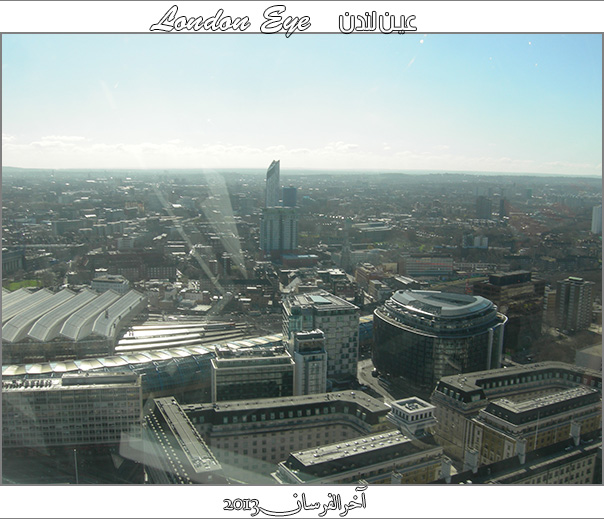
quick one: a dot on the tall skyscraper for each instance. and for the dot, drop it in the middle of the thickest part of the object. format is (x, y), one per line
(574, 300)
(278, 224)
(273, 184)
(596, 220)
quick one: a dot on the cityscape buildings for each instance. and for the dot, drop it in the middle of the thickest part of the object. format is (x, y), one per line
(243, 373)
(254, 435)
(460, 398)
(217, 342)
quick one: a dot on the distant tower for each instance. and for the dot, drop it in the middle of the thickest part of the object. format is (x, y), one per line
(596, 220)
(278, 224)
(574, 300)
(289, 196)
(483, 208)
(272, 185)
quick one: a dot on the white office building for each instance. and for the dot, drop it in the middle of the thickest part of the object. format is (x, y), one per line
(336, 318)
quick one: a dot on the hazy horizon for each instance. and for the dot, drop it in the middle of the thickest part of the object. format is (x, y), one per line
(493, 103)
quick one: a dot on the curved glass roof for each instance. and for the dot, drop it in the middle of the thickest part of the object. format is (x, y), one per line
(17, 327)
(19, 305)
(107, 322)
(48, 326)
(79, 325)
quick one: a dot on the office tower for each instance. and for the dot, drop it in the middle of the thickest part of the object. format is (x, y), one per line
(574, 301)
(278, 224)
(289, 196)
(256, 372)
(504, 208)
(425, 335)
(520, 298)
(483, 208)
(310, 359)
(336, 318)
(596, 220)
(278, 230)
(272, 185)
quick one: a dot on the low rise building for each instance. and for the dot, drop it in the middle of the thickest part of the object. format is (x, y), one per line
(508, 426)
(386, 458)
(254, 372)
(250, 436)
(460, 398)
(76, 410)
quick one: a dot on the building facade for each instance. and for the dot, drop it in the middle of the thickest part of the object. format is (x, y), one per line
(76, 410)
(458, 399)
(423, 336)
(106, 282)
(254, 435)
(273, 184)
(509, 427)
(336, 318)
(256, 372)
(386, 458)
(574, 302)
(310, 359)
(596, 219)
(520, 298)
(422, 265)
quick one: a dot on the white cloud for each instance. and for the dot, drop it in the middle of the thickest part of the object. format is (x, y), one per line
(65, 151)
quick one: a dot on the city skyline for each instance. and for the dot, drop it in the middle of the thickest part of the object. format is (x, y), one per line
(478, 103)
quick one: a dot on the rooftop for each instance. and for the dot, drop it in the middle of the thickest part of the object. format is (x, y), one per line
(366, 401)
(442, 304)
(321, 300)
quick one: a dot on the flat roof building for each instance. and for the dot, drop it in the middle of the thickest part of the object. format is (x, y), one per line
(89, 409)
(390, 457)
(336, 318)
(250, 436)
(460, 398)
(253, 372)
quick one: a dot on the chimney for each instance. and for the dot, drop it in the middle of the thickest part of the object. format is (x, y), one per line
(445, 469)
(575, 432)
(521, 450)
(471, 460)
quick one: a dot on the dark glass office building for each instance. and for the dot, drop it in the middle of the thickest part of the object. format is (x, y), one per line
(423, 336)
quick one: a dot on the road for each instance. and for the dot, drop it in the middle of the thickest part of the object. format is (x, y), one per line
(396, 389)
(364, 369)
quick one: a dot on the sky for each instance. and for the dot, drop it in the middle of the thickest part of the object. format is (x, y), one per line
(494, 103)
